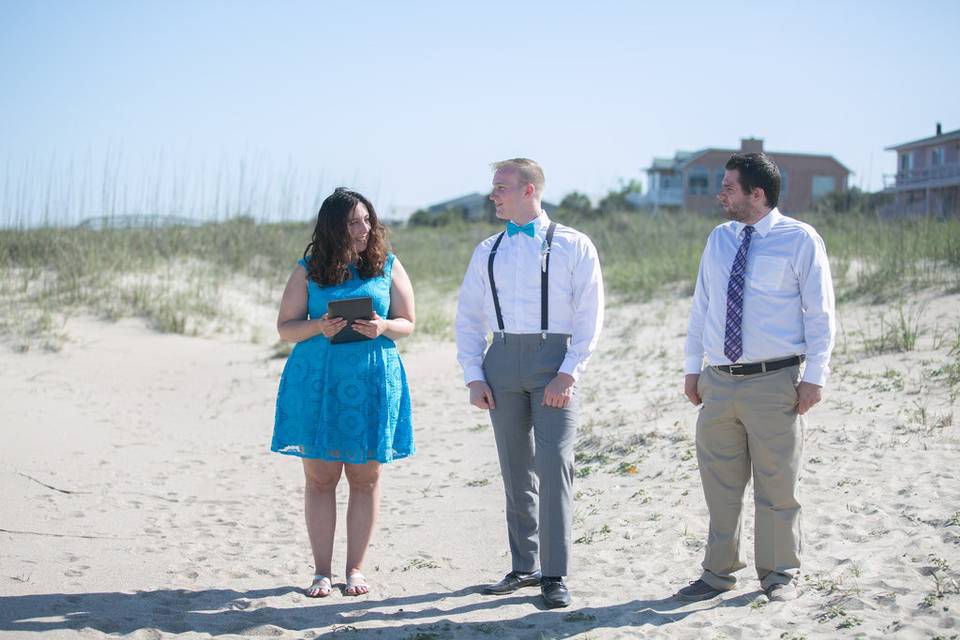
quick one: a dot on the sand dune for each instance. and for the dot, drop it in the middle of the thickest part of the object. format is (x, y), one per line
(140, 498)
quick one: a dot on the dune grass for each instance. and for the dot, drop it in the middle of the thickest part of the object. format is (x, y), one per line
(175, 277)
(872, 259)
(883, 260)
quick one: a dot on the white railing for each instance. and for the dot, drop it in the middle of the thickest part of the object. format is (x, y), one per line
(919, 176)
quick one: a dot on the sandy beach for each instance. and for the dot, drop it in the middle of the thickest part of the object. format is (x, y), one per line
(140, 497)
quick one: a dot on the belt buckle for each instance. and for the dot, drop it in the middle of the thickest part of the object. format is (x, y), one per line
(734, 368)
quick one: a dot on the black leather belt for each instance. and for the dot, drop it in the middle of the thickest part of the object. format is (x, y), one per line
(750, 368)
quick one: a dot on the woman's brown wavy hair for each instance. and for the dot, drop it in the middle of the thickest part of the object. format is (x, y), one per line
(329, 252)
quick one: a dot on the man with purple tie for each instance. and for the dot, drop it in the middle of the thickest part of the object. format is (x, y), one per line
(763, 305)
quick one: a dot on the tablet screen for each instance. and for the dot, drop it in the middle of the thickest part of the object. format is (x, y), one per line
(350, 309)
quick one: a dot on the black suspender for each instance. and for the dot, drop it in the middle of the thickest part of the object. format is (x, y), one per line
(544, 279)
(493, 284)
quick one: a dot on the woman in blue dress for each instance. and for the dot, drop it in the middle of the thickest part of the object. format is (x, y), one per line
(344, 408)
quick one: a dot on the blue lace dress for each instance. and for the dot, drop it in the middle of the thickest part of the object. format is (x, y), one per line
(345, 402)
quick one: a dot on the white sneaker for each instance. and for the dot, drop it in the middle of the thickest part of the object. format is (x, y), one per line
(781, 592)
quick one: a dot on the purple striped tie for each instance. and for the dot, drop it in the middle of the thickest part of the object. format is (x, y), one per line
(733, 332)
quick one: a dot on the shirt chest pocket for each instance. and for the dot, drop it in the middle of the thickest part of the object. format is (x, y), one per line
(769, 274)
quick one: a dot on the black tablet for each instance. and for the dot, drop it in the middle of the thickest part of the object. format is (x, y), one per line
(350, 309)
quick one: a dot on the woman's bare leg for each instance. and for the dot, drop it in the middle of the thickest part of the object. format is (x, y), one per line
(362, 510)
(320, 509)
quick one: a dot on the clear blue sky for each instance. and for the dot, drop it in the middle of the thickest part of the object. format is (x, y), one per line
(411, 101)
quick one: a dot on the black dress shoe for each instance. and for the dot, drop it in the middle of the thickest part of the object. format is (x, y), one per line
(511, 582)
(555, 593)
(696, 591)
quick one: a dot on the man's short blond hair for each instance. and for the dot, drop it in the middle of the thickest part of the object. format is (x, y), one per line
(530, 172)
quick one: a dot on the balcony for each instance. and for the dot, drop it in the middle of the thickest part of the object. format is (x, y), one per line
(672, 197)
(939, 176)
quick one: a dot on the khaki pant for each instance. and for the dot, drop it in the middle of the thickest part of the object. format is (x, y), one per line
(749, 424)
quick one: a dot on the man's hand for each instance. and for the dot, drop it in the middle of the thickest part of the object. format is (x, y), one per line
(480, 395)
(559, 392)
(690, 388)
(808, 394)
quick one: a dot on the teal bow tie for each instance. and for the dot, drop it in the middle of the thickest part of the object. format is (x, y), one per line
(514, 229)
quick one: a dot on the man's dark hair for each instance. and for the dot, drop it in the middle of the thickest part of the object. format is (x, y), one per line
(757, 170)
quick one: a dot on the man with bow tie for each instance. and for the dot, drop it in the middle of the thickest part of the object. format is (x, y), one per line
(762, 305)
(537, 286)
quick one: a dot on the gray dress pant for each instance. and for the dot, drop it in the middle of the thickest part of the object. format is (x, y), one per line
(535, 445)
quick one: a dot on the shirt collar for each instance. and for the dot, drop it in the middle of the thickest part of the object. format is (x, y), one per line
(763, 226)
(540, 223)
(542, 220)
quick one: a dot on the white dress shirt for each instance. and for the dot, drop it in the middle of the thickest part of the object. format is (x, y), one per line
(575, 295)
(788, 304)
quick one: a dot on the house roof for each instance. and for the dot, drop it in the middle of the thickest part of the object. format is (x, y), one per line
(672, 163)
(943, 137)
(474, 199)
(470, 198)
(684, 158)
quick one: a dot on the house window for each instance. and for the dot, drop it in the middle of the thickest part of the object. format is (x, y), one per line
(698, 181)
(823, 185)
(936, 156)
(719, 185)
(670, 181)
(906, 162)
(783, 184)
